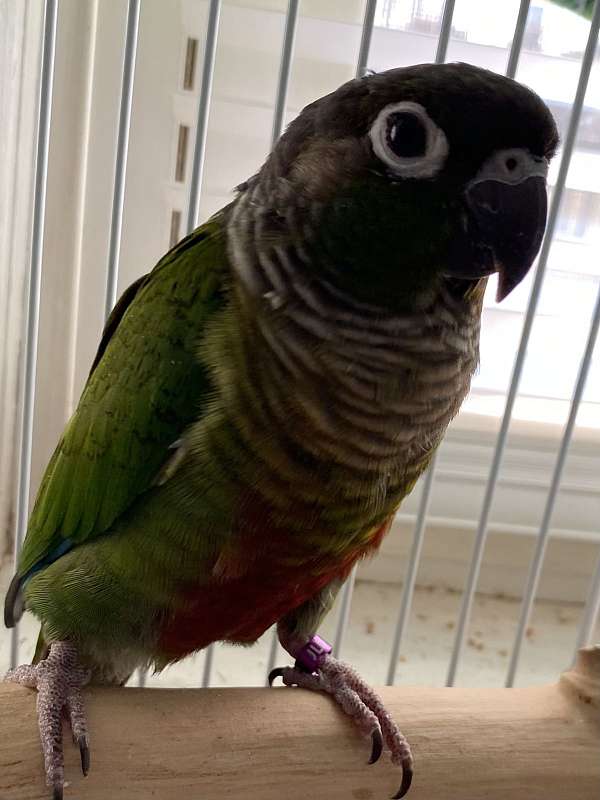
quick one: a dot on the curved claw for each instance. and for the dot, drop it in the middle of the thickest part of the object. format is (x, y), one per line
(377, 740)
(275, 673)
(84, 751)
(407, 776)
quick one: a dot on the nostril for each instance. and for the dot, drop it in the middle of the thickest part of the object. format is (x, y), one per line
(511, 164)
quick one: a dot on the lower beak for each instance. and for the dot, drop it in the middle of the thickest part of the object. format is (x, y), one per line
(510, 219)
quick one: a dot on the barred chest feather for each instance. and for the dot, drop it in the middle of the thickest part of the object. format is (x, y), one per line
(343, 402)
(326, 412)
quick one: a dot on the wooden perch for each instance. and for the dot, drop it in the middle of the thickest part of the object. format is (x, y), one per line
(210, 744)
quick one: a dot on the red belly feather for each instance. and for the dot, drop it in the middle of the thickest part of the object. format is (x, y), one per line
(253, 589)
(238, 610)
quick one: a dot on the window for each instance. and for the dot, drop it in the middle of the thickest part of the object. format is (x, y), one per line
(579, 215)
(588, 134)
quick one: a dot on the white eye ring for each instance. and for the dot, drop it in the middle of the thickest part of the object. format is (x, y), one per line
(436, 144)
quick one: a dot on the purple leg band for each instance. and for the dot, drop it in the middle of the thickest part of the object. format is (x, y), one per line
(312, 654)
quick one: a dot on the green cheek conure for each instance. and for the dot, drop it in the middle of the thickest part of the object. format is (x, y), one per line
(263, 400)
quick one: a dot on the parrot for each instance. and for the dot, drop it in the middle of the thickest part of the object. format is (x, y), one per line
(263, 400)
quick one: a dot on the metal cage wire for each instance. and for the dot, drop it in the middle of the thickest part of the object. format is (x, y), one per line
(32, 321)
(592, 604)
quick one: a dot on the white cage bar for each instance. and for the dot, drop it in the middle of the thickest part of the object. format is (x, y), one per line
(204, 100)
(518, 36)
(34, 288)
(365, 38)
(361, 66)
(116, 222)
(590, 611)
(348, 588)
(285, 69)
(445, 31)
(208, 68)
(428, 479)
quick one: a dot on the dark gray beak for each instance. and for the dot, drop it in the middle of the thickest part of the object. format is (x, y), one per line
(508, 203)
(505, 209)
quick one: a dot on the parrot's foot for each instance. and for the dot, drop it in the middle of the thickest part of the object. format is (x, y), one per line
(318, 670)
(58, 679)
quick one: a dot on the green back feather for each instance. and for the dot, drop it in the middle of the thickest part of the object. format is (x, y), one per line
(146, 386)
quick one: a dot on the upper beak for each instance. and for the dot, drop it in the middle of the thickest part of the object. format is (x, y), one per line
(508, 204)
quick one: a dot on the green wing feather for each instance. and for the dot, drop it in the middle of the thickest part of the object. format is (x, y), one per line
(145, 387)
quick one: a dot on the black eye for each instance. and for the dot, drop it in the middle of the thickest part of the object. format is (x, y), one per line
(407, 141)
(406, 135)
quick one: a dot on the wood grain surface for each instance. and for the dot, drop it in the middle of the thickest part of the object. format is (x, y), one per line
(289, 744)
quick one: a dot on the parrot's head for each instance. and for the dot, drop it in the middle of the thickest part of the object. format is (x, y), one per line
(404, 179)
